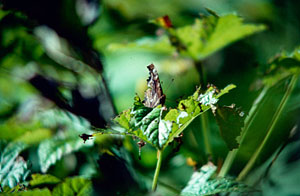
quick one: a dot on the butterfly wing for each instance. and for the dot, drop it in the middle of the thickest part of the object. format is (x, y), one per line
(153, 95)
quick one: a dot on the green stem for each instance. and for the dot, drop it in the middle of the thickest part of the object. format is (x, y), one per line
(252, 114)
(204, 117)
(274, 121)
(205, 131)
(163, 184)
(158, 165)
(199, 67)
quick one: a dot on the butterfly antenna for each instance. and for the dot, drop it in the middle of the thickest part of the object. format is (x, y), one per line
(172, 80)
(170, 83)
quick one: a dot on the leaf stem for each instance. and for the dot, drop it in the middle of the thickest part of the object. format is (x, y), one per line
(204, 117)
(205, 131)
(274, 121)
(199, 67)
(158, 165)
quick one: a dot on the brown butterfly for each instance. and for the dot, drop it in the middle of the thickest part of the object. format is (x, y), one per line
(153, 95)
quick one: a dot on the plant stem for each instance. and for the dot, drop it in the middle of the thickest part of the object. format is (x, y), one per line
(205, 131)
(274, 121)
(204, 116)
(199, 67)
(248, 121)
(158, 165)
(165, 185)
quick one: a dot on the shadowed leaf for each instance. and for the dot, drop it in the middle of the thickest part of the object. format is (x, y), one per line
(230, 120)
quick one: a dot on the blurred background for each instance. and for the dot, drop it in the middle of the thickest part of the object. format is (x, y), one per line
(64, 59)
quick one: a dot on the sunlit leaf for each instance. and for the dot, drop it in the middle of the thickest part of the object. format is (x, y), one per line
(73, 186)
(43, 179)
(124, 119)
(13, 168)
(161, 45)
(35, 136)
(199, 40)
(210, 34)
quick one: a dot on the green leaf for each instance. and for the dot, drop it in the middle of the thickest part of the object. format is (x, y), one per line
(33, 192)
(54, 118)
(73, 186)
(272, 105)
(212, 33)
(13, 168)
(199, 40)
(66, 141)
(149, 121)
(190, 108)
(281, 66)
(43, 179)
(268, 115)
(150, 125)
(52, 150)
(202, 183)
(160, 44)
(35, 136)
(123, 119)
(231, 121)
(226, 90)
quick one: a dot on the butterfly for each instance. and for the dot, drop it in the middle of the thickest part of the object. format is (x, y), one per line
(154, 95)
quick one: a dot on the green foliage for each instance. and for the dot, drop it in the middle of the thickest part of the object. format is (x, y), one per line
(87, 63)
(34, 137)
(73, 186)
(282, 66)
(32, 192)
(200, 40)
(52, 150)
(202, 182)
(212, 33)
(65, 142)
(13, 168)
(157, 45)
(150, 125)
(55, 117)
(43, 179)
(272, 106)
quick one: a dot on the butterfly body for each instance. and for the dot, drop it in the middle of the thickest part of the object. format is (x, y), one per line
(153, 95)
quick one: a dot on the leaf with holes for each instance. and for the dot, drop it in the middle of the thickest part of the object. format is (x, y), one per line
(152, 126)
(190, 108)
(231, 121)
